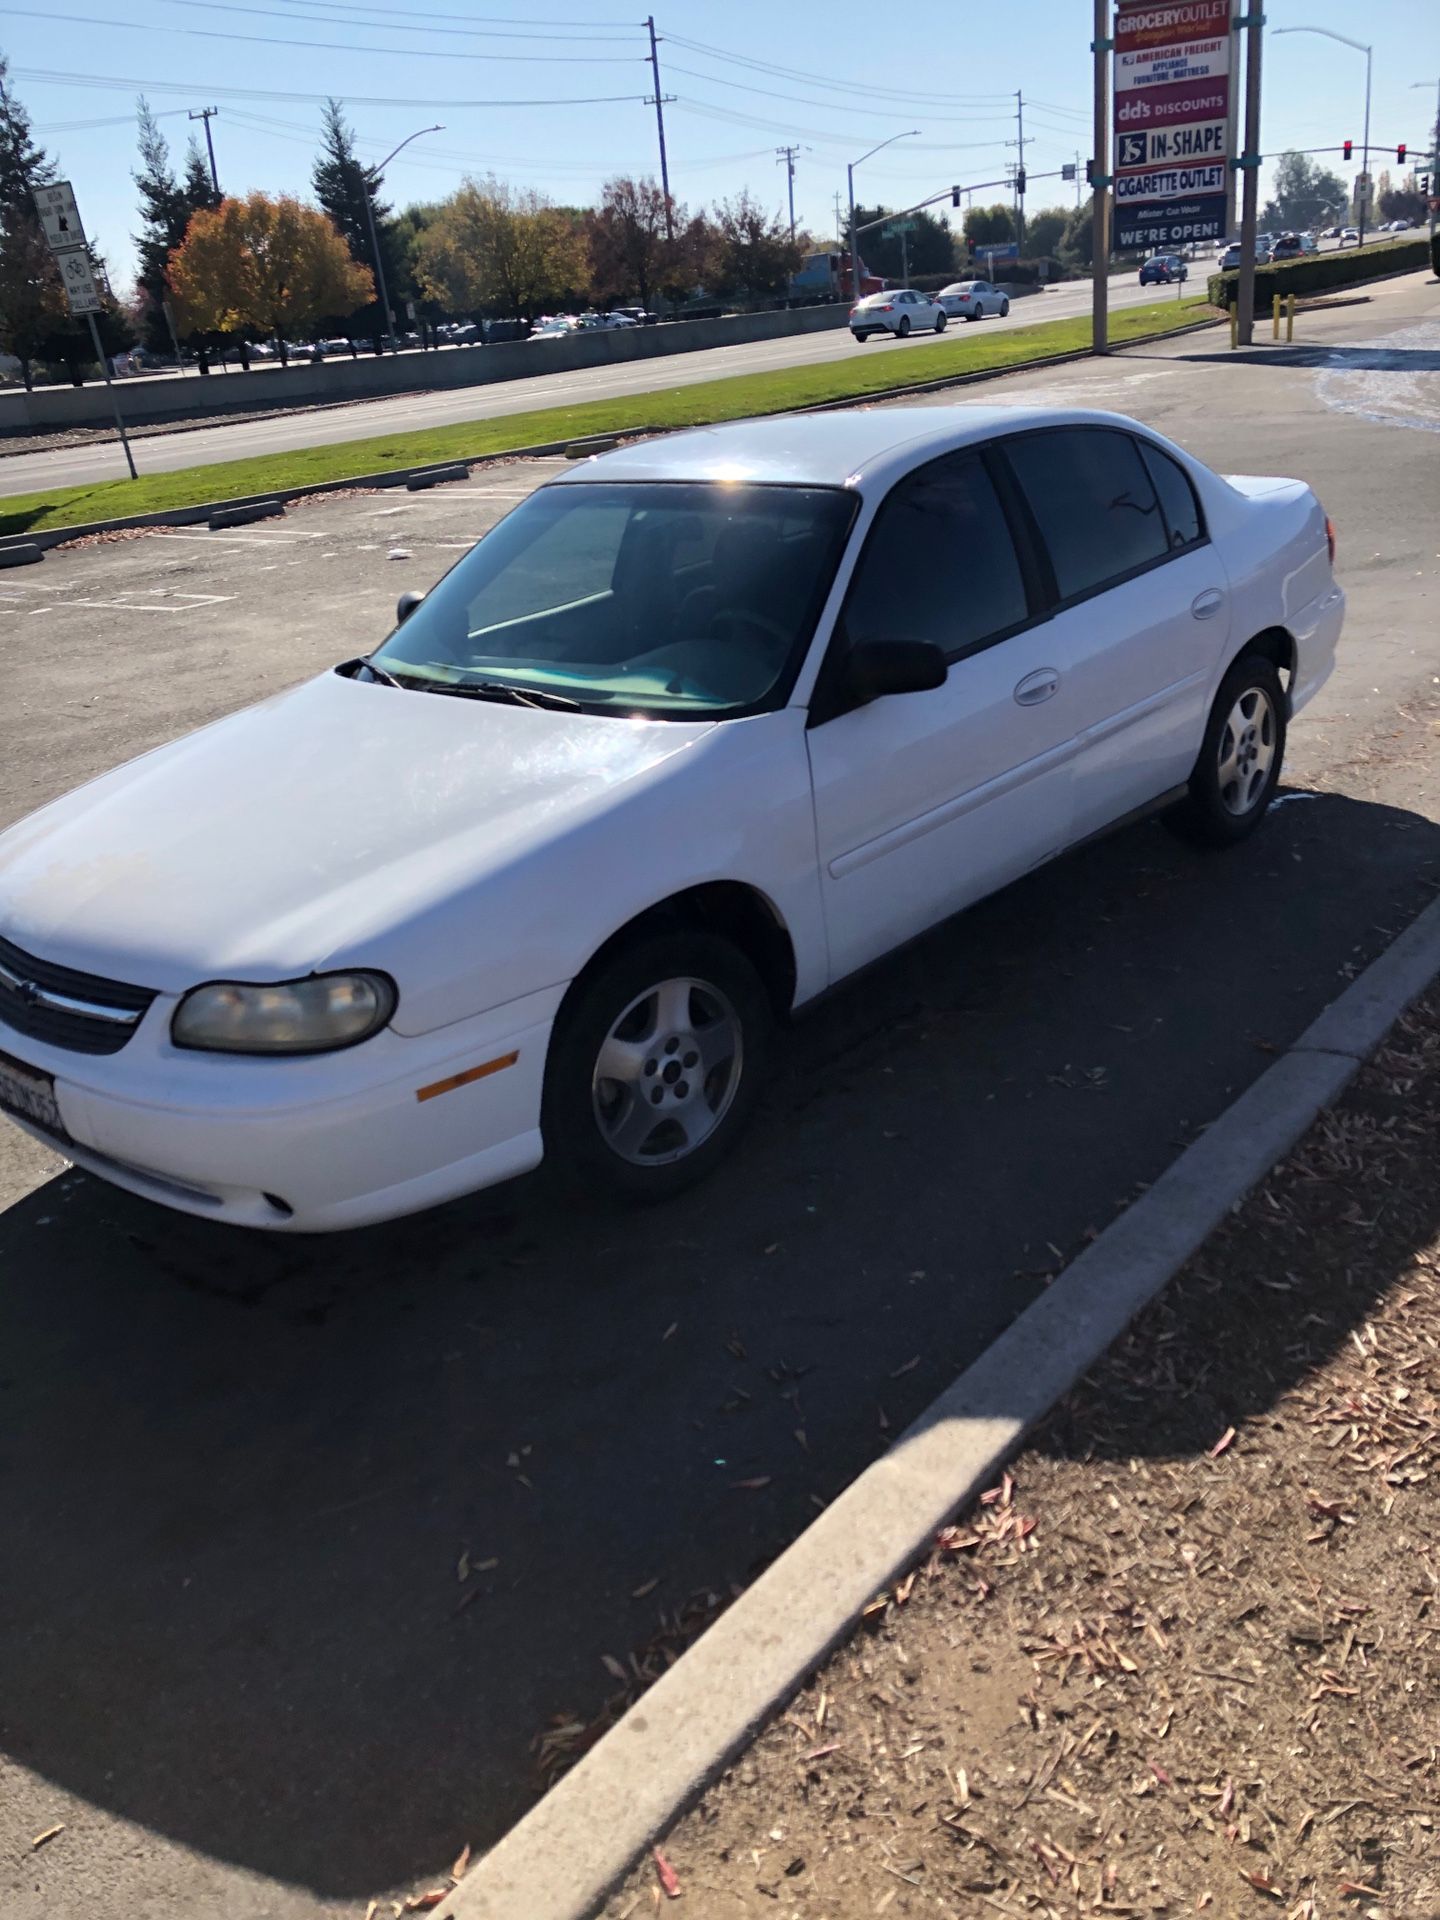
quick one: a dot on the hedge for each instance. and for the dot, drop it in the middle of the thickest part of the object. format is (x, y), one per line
(1317, 272)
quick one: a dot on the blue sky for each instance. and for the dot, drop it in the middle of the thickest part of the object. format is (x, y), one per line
(833, 76)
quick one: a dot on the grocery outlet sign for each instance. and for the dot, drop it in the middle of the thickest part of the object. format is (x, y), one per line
(1172, 107)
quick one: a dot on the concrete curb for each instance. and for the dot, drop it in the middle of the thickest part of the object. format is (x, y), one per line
(48, 537)
(562, 1859)
(21, 553)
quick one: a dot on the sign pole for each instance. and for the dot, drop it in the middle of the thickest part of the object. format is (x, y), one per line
(1101, 47)
(1249, 164)
(114, 397)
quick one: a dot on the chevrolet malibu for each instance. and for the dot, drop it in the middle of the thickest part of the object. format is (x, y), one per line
(700, 729)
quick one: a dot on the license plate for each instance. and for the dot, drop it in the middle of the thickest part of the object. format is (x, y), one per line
(30, 1095)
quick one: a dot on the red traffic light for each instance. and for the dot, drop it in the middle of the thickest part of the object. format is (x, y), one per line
(1400, 154)
(1349, 148)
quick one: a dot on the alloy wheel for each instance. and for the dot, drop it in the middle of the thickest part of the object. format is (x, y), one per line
(667, 1072)
(1246, 752)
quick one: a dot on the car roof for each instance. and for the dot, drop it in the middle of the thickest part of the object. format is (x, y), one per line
(824, 450)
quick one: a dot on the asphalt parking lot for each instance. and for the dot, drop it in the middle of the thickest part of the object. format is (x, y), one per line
(313, 1539)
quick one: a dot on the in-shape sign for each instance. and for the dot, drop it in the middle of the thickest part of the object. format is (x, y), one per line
(1156, 145)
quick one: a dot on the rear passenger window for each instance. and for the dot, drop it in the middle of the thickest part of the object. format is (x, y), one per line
(1177, 496)
(1094, 503)
(939, 564)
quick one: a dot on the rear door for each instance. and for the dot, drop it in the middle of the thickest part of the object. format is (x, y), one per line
(1141, 607)
(925, 801)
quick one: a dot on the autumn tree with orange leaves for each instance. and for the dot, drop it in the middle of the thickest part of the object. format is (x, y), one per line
(267, 266)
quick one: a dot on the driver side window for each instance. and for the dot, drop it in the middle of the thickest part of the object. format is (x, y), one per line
(939, 564)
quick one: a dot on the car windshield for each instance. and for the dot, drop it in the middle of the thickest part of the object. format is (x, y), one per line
(668, 599)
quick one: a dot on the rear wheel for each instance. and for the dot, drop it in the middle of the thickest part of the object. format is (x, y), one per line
(655, 1066)
(861, 338)
(1240, 758)
(974, 313)
(902, 332)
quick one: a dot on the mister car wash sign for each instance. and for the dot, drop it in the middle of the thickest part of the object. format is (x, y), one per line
(1172, 104)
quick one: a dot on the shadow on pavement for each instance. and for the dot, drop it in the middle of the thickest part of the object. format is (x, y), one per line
(315, 1536)
(1357, 359)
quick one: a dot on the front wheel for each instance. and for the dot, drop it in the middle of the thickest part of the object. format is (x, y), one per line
(940, 323)
(1004, 309)
(1238, 768)
(655, 1066)
(902, 332)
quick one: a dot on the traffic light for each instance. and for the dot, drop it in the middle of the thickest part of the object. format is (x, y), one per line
(1089, 173)
(1425, 184)
(1020, 178)
(954, 196)
(1348, 149)
(1400, 154)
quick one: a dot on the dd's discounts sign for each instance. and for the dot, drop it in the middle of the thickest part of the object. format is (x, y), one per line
(1172, 104)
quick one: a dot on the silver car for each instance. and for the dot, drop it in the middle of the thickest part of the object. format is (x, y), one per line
(900, 311)
(973, 299)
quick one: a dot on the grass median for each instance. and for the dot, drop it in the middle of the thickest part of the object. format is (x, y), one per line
(736, 397)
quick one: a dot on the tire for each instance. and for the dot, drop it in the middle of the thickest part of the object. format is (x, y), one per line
(902, 332)
(594, 1126)
(1004, 309)
(940, 322)
(974, 314)
(1247, 723)
(861, 338)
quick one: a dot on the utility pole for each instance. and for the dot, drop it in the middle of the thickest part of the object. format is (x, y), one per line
(660, 126)
(207, 114)
(1020, 174)
(838, 229)
(787, 154)
(1249, 162)
(1077, 182)
(1101, 47)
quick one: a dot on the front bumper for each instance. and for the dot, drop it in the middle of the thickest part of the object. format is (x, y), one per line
(311, 1144)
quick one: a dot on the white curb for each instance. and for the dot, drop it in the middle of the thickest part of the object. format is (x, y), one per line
(560, 1861)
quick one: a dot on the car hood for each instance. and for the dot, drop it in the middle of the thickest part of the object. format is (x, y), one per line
(275, 841)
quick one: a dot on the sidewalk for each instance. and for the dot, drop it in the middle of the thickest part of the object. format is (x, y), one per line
(1185, 1658)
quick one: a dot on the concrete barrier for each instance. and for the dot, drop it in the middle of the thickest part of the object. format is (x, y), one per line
(314, 383)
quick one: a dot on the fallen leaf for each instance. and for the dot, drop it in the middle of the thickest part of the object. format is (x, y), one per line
(613, 1667)
(646, 1586)
(423, 1902)
(1222, 1444)
(674, 1327)
(457, 1872)
(819, 1753)
(462, 1567)
(909, 1367)
(754, 1483)
(668, 1877)
(1263, 1884)
(49, 1834)
(1161, 1775)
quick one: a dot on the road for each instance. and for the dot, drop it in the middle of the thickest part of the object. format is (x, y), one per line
(405, 412)
(310, 1541)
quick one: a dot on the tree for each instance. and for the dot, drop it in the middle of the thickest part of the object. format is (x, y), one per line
(989, 226)
(754, 251)
(1305, 194)
(1077, 243)
(23, 165)
(342, 183)
(628, 238)
(1403, 203)
(929, 248)
(490, 246)
(274, 267)
(166, 205)
(1045, 230)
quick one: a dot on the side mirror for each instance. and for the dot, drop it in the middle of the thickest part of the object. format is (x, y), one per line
(876, 667)
(406, 605)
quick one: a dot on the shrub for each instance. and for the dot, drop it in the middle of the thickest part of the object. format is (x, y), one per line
(1320, 271)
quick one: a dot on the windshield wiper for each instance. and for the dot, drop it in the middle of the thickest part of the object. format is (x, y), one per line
(503, 690)
(382, 674)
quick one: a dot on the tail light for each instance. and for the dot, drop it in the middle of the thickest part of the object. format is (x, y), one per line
(887, 308)
(1330, 537)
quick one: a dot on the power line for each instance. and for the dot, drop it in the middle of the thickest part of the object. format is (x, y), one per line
(116, 120)
(334, 46)
(828, 106)
(46, 76)
(406, 24)
(488, 19)
(869, 90)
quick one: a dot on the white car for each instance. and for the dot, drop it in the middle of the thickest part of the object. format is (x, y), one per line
(973, 299)
(701, 728)
(900, 312)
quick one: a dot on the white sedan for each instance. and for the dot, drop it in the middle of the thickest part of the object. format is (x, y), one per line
(900, 311)
(700, 729)
(973, 299)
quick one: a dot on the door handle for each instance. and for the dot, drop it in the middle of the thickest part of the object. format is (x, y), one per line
(1036, 687)
(1206, 605)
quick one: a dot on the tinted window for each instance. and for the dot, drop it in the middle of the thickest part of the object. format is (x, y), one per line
(1177, 496)
(1094, 503)
(939, 564)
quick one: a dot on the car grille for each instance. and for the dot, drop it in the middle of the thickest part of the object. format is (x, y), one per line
(64, 1008)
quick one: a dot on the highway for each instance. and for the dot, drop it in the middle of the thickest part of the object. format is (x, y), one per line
(407, 412)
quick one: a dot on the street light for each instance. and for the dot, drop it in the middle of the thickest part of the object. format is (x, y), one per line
(1360, 47)
(1435, 156)
(908, 134)
(365, 176)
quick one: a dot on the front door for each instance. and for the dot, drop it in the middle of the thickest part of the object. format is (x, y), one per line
(926, 801)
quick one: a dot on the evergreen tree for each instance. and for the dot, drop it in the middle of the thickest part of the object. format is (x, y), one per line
(163, 217)
(341, 181)
(23, 165)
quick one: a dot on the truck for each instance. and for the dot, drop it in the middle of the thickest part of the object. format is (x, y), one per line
(826, 276)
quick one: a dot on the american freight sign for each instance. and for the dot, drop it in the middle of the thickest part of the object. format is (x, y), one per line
(1172, 122)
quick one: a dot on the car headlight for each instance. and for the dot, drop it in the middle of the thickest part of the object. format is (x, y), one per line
(326, 1011)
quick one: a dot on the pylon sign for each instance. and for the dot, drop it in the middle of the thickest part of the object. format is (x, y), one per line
(1172, 104)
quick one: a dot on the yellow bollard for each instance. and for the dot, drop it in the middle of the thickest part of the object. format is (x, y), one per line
(1290, 319)
(1234, 326)
(1275, 316)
